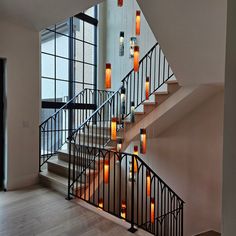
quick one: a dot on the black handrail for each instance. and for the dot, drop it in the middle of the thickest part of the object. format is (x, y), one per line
(92, 142)
(53, 132)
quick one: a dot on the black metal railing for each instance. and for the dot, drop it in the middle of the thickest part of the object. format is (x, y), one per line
(92, 152)
(54, 131)
(123, 185)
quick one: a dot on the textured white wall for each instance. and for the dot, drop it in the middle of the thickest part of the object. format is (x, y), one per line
(20, 47)
(188, 157)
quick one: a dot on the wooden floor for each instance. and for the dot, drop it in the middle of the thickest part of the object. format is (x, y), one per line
(40, 211)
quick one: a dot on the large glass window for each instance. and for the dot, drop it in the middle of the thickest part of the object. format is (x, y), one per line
(68, 59)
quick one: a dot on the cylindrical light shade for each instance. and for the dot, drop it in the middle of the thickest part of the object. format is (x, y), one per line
(123, 210)
(122, 45)
(108, 76)
(106, 171)
(123, 98)
(136, 58)
(143, 141)
(152, 210)
(132, 109)
(138, 22)
(119, 145)
(100, 203)
(147, 88)
(120, 3)
(135, 159)
(148, 183)
(113, 128)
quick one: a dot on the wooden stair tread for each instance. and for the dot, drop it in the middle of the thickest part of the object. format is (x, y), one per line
(161, 93)
(54, 177)
(171, 82)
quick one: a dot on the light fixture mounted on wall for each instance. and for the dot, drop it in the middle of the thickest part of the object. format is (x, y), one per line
(148, 183)
(120, 3)
(133, 43)
(113, 128)
(122, 98)
(147, 84)
(132, 115)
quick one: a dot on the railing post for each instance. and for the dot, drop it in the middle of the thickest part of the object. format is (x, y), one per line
(69, 173)
(132, 229)
(40, 148)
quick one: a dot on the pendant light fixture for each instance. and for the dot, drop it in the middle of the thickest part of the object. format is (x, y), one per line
(122, 46)
(138, 22)
(108, 76)
(147, 84)
(143, 141)
(113, 128)
(136, 58)
(123, 98)
(148, 183)
(120, 3)
(100, 203)
(119, 145)
(132, 109)
(106, 171)
(152, 210)
(123, 210)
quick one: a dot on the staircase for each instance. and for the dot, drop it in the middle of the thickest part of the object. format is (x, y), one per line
(89, 165)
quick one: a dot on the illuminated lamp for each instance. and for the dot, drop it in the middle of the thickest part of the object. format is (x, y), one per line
(108, 76)
(113, 128)
(147, 88)
(100, 203)
(123, 210)
(152, 210)
(132, 115)
(119, 145)
(148, 183)
(120, 3)
(143, 141)
(106, 171)
(138, 22)
(136, 58)
(122, 45)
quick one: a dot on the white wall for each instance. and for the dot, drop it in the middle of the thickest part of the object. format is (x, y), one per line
(188, 156)
(20, 47)
(229, 160)
(123, 19)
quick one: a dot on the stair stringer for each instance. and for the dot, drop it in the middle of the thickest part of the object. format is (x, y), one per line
(170, 111)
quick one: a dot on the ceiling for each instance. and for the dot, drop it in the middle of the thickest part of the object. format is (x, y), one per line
(38, 14)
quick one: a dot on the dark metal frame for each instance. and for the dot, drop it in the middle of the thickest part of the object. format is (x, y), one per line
(2, 139)
(86, 150)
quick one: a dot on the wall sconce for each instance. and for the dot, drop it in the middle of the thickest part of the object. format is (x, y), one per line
(132, 109)
(100, 203)
(108, 76)
(113, 128)
(138, 22)
(122, 98)
(135, 152)
(147, 84)
(133, 43)
(119, 145)
(136, 58)
(120, 3)
(143, 141)
(106, 171)
(122, 46)
(152, 210)
(148, 183)
(123, 210)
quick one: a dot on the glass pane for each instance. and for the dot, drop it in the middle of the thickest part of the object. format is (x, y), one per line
(89, 32)
(89, 74)
(78, 28)
(78, 50)
(62, 46)
(63, 27)
(62, 68)
(48, 42)
(79, 72)
(61, 91)
(90, 12)
(78, 88)
(47, 65)
(48, 89)
(89, 53)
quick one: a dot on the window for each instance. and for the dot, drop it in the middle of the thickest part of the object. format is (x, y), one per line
(68, 59)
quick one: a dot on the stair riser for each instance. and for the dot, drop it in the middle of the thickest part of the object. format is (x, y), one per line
(172, 88)
(82, 162)
(149, 108)
(63, 171)
(160, 98)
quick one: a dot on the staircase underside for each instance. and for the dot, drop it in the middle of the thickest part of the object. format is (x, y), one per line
(183, 101)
